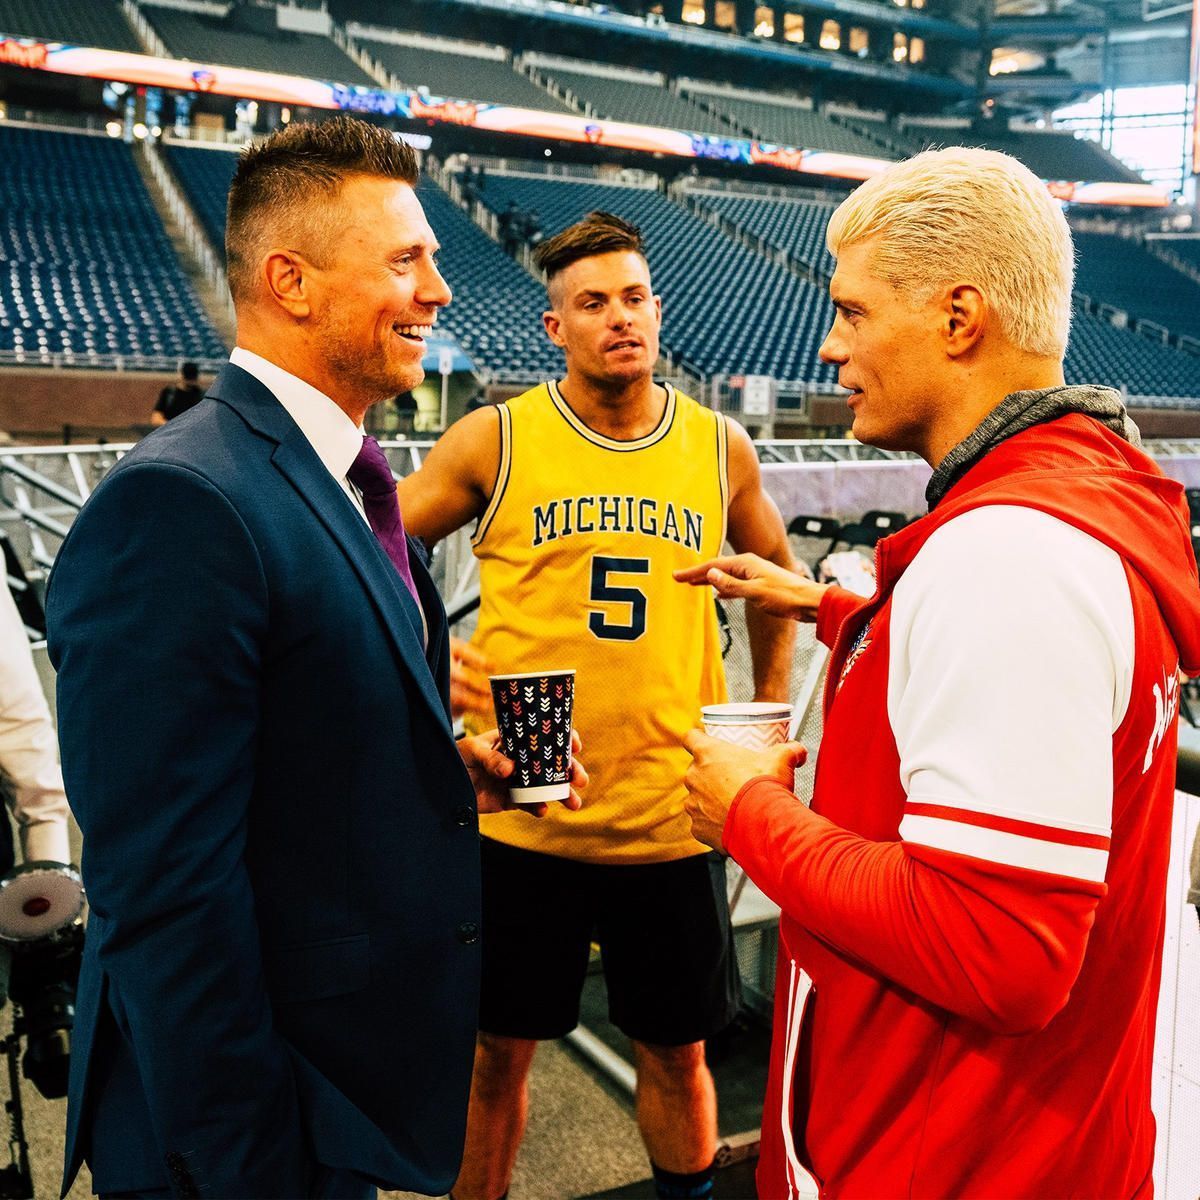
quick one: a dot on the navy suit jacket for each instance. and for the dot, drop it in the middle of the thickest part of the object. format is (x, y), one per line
(280, 842)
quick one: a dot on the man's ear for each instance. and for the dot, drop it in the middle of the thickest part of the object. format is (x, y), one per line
(287, 280)
(966, 312)
(553, 327)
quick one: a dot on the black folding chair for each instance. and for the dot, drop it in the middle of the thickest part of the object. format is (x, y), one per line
(814, 537)
(885, 521)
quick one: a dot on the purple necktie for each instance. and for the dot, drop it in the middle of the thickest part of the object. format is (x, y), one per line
(372, 476)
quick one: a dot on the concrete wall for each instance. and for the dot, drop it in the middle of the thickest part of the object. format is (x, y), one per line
(38, 405)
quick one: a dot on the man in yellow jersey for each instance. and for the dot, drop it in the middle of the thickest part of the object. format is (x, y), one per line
(589, 492)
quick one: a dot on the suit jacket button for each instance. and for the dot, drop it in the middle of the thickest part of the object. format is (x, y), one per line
(468, 933)
(464, 815)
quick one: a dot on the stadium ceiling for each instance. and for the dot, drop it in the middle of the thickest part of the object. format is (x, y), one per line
(1050, 53)
(1112, 13)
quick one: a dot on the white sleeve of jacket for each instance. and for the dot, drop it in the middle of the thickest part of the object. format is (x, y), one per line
(1011, 663)
(28, 745)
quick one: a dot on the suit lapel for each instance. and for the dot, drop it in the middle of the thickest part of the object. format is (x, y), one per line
(297, 461)
(307, 474)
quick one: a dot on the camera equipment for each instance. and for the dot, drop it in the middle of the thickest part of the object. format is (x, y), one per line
(41, 927)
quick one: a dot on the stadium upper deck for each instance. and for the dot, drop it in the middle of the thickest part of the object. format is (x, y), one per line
(772, 310)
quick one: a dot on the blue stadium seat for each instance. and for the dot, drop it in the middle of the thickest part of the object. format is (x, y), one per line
(88, 269)
(726, 309)
(212, 39)
(205, 174)
(497, 306)
(1103, 353)
(1121, 272)
(96, 23)
(797, 226)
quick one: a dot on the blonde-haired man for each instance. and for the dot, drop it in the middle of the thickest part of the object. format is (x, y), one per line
(973, 907)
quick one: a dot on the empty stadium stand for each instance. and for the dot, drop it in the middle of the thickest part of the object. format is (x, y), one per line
(1050, 154)
(640, 98)
(215, 39)
(1185, 248)
(1105, 354)
(794, 225)
(726, 309)
(97, 23)
(459, 71)
(1123, 273)
(788, 122)
(88, 270)
(496, 314)
(205, 174)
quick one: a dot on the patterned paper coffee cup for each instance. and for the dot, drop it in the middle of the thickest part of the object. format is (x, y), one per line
(533, 712)
(755, 726)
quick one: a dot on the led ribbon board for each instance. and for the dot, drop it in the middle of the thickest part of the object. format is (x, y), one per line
(186, 76)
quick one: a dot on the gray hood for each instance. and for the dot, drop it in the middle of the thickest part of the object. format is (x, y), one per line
(1021, 410)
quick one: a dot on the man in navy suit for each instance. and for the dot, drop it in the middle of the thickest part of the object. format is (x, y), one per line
(279, 989)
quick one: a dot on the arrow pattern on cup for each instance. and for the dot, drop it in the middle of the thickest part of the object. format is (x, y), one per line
(534, 716)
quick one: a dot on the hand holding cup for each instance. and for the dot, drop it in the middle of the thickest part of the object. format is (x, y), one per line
(533, 712)
(741, 741)
(491, 772)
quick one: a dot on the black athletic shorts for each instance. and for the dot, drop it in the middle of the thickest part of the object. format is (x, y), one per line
(664, 934)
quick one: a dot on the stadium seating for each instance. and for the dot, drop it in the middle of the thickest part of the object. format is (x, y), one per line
(97, 23)
(205, 175)
(760, 319)
(1104, 354)
(461, 76)
(726, 309)
(1123, 273)
(639, 103)
(496, 314)
(797, 226)
(1049, 154)
(1186, 248)
(788, 125)
(88, 270)
(212, 39)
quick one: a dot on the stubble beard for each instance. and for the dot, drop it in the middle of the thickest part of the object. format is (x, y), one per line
(367, 373)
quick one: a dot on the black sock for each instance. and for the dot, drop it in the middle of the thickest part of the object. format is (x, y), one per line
(672, 1186)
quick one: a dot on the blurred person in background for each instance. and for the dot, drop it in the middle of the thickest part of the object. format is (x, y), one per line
(972, 926)
(588, 492)
(32, 779)
(178, 397)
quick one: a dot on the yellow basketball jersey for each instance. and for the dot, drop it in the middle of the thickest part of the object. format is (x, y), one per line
(576, 550)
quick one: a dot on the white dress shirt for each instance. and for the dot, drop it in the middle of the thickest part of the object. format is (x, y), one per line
(335, 438)
(330, 432)
(28, 745)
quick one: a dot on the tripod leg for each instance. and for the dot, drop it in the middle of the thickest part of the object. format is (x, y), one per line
(16, 1181)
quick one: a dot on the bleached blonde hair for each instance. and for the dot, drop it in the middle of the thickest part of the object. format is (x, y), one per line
(964, 215)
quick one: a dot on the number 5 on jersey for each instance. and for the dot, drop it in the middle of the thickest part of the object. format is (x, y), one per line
(604, 592)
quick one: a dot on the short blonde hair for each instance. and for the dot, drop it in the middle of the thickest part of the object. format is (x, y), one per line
(971, 216)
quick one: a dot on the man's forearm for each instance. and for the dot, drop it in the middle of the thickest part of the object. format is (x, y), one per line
(772, 648)
(988, 944)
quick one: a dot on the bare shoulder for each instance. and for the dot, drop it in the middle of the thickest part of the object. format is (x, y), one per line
(743, 458)
(470, 449)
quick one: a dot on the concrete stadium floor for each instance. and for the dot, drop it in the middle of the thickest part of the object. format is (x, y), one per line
(581, 1140)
